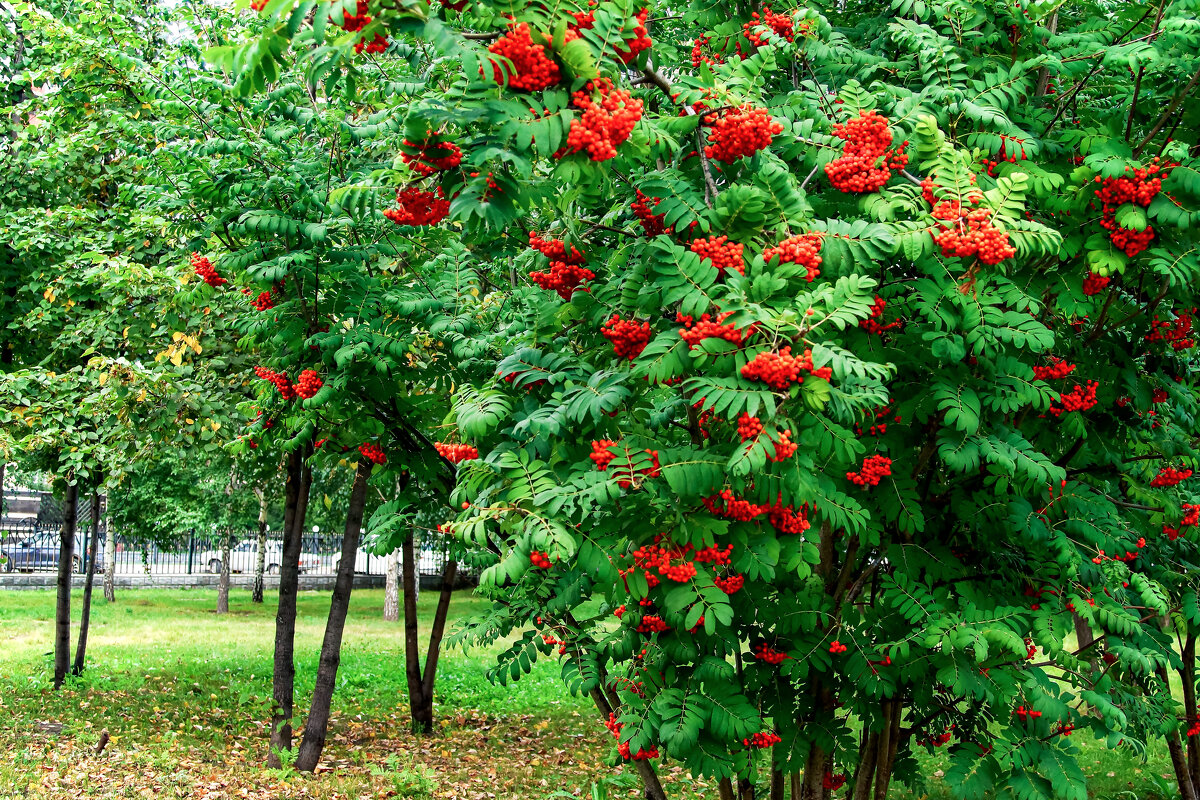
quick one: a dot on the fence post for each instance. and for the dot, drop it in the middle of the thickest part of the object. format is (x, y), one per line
(191, 550)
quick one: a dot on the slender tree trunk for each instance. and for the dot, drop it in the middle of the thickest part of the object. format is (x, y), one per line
(66, 563)
(778, 784)
(317, 723)
(434, 651)
(260, 560)
(725, 790)
(1188, 676)
(652, 787)
(412, 666)
(223, 581)
(391, 588)
(110, 562)
(299, 478)
(864, 772)
(85, 616)
(1188, 790)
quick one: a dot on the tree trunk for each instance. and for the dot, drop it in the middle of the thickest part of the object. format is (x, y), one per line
(778, 784)
(260, 560)
(391, 588)
(110, 563)
(1188, 790)
(652, 787)
(223, 581)
(1188, 676)
(85, 615)
(299, 479)
(412, 666)
(434, 651)
(66, 563)
(331, 648)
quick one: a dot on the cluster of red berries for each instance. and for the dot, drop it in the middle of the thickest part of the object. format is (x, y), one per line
(785, 448)
(730, 506)
(708, 328)
(286, 390)
(1169, 476)
(761, 741)
(629, 337)
(1191, 519)
(699, 56)
(1004, 155)
(604, 124)
(265, 301)
(624, 471)
(837, 647)
(308, 383)
(456, 453)
(749, 427)
(377, 45)
(563, 278)
(731, 584)
(1095, 283)
(417, 207)
(356, 21)
(566, 273)
(657, 560)
(539, 559)
(872, 323)
(972, 234)
(874, 469)
(1081, 398)
(641, 39)
(780, 369)
(1177, 333)
(833, 782)
(651, 223)
(430, 155)
(867, 158)
(721, 253)
(780, 25)
(372, 453)
(204, 269)
(769, 655)
(939, 740)
(1194, 730)
(1101, 557)
(788, 519)
(652, 623)
(1056, 370)
(879, 428)
(1136, 186)
(532, 70)
(739, 132)
(1024, 713)
(804, 250)
(614, 728)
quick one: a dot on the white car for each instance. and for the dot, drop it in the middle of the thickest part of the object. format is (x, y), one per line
(243, 557)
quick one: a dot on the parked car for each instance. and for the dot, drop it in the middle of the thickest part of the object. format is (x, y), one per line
(40, 551)
(364, 561)
(243, 557)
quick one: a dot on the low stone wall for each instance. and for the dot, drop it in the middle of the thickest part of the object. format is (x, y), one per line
(45, 580)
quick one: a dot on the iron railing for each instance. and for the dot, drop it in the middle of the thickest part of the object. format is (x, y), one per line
(31, 546)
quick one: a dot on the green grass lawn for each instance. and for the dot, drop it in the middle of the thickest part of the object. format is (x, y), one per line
(185, 696)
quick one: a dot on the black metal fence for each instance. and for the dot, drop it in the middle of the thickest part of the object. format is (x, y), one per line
(33, 546)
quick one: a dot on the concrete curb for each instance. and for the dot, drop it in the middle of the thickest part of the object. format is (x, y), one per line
(196, 581)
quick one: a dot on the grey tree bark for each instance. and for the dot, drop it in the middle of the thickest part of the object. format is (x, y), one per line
(260, 560)
(391, 588)
(110, 564)
(66, 563)
(85, 615)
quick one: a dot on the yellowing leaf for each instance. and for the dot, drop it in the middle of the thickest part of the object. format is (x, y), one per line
(49, 294)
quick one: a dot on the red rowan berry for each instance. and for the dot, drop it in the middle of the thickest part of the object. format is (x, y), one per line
(739, 132)
(1170, 476)
(308, 383)
(540, 560)
(874, 469)
(804, 250)
(532, 70)
(761, 740)
(417, 207)
(867, 158)
(604, 124)
(629, 337)
(456, 453)
(1094, 283)
(640, 41)
(373, 453)
(205, 270)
